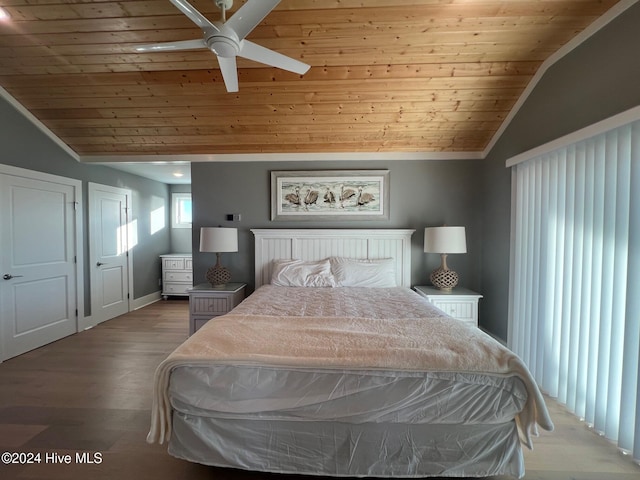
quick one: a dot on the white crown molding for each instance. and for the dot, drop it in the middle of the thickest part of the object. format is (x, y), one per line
(282, 157)
(588, 32)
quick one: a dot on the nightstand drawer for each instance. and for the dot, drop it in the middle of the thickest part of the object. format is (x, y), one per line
(456, 309)
(199, 322)
(206, 302)
(465, 311)
(212, 306)
(460, 303)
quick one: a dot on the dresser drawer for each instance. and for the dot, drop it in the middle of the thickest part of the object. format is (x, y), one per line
(173, 264)
(178, 276)
(176, 288)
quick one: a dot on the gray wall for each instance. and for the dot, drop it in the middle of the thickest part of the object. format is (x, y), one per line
(25, 146)
(422, 193)
(595, 81)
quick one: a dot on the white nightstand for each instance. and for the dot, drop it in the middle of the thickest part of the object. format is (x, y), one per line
(206, 302)
(460, 303)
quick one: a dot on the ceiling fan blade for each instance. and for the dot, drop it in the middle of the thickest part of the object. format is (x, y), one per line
(250, 15)
(194, 15)
(229, 73)
(170, 46)
(258, 53)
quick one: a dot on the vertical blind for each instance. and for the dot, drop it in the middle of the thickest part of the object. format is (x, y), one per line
(574, 308)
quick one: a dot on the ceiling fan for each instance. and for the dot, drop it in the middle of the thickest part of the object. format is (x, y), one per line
(227, 39)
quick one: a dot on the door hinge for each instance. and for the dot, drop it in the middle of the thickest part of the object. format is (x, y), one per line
(128, 296)
(75, 206)
(76, 312)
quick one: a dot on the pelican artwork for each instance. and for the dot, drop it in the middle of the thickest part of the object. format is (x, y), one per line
(346, 194)
(329, 197)
(310, 198)
(364, 198)
(293, 198)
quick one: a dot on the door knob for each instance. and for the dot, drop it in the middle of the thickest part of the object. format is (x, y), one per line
(8, 276)
(99, 264)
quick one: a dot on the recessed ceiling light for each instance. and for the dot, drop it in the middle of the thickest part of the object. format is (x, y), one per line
(4, 15)
(178, 174)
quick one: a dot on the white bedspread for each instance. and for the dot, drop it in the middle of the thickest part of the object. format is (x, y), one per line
(418, 338)
(397, 302)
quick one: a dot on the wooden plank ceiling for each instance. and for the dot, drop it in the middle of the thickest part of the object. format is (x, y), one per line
(386, 75)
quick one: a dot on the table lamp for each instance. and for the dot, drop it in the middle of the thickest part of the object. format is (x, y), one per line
(444, 240)
(218, 240)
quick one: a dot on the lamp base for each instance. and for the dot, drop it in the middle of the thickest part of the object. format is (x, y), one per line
(218, 276)
(444, 279)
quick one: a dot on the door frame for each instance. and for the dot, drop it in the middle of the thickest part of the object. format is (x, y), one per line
(128, 236)
(78, 240)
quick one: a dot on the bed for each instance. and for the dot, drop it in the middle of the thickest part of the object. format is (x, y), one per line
(335, 367)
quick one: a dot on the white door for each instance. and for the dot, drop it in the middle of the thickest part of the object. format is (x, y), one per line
(38, 301)
(108, 246)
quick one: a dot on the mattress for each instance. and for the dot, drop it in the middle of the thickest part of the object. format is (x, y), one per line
(373, 415)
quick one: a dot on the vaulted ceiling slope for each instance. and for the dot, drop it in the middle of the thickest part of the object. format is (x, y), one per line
(386, 75)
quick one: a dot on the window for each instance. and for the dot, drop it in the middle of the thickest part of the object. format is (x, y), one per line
(181, 210)
(575, 277)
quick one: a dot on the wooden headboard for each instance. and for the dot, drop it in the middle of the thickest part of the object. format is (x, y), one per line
(317, 244)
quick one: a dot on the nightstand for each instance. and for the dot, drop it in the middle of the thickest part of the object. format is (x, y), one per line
(206, 302)
(460, 303)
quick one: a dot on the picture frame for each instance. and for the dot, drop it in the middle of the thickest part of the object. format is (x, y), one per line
(330, 195)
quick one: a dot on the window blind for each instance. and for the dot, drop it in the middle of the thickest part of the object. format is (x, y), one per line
(574, 308)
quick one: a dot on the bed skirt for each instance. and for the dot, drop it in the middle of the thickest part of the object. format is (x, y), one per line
(349, 450)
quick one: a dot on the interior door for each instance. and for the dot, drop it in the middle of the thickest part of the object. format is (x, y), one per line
(108, 245)
(38, 301)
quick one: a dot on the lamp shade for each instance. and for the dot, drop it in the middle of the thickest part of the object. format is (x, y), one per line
(218, 239)
(445, 240)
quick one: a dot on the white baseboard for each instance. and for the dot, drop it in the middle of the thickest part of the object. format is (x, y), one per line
(85, 323)
(146, 300)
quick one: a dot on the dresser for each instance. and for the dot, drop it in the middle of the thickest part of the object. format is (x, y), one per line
(460, 303)
(177, 274)
(206, 302)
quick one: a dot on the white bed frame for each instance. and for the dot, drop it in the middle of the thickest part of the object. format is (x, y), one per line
(317, 244)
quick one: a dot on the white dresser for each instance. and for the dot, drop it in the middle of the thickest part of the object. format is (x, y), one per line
(460, 303)
(177, 274)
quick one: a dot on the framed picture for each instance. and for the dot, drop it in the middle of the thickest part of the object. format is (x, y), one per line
(330, 194)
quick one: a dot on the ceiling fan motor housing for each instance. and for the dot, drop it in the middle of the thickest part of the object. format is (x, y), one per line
(222, 41)
(223, 45)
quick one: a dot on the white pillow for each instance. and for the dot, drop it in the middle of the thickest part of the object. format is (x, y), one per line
(352, 272)
(300, 273)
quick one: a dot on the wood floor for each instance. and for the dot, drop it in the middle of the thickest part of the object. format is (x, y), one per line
(90, 394)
